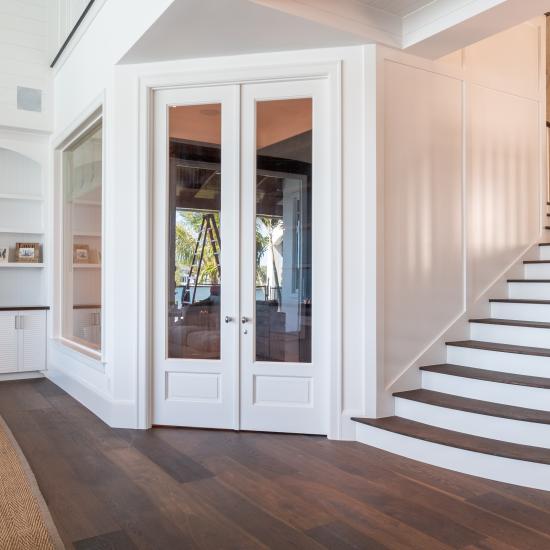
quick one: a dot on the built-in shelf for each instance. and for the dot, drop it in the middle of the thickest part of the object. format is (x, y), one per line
(15, 197)
(19, 265)
(86, 266)
(82, 234)
(86, 203)
(13, 231)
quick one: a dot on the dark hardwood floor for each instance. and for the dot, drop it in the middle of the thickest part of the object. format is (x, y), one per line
(172, 489)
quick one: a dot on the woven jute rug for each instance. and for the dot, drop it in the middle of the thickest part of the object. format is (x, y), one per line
(25, 521)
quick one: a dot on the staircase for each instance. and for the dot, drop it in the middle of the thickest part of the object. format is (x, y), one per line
(486, 412)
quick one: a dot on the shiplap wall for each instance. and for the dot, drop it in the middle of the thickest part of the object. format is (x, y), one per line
(27, 43)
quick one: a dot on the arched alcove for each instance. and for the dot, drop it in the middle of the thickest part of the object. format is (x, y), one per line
(19, 174)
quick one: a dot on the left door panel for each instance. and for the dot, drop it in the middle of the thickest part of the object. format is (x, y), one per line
(195, 213)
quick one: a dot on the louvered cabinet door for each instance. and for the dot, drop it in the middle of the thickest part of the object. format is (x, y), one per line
(8, 342)
(32, 336)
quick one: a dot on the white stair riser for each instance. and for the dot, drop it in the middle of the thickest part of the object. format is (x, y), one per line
(515, 363)
(544, 252)
(521, 312)
(506, 394)
(519, 472)
(517, 336)
(529, 291)
(536, 271)
(503, 429)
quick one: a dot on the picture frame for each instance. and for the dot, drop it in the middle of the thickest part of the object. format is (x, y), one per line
(4, 253)
(81, 254)
(27, 253)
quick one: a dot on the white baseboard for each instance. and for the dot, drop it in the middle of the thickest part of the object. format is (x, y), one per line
(8, 377)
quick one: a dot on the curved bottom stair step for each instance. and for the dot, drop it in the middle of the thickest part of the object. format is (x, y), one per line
(473, 455)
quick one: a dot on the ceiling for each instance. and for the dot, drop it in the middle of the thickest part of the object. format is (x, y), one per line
(401, 8)
(429, 28)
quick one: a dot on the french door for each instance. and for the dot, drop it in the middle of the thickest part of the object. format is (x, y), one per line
(241, 257)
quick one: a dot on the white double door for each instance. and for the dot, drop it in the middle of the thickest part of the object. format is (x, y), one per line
(242, 253)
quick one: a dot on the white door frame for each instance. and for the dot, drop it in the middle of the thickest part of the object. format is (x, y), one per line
(331, 72)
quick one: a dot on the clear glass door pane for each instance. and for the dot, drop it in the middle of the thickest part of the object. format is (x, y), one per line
(194, 286)
(283, 230)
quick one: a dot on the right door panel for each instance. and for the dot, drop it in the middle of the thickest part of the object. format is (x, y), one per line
(285, 329)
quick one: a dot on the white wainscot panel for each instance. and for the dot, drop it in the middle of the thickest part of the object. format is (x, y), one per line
(503, 190)
(283, 390)
(193, 386)
(508, 60)
(423, 244)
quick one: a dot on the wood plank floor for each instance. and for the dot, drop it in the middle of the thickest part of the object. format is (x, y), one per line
(172, 489)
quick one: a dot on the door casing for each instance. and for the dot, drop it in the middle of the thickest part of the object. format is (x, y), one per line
(331, 73)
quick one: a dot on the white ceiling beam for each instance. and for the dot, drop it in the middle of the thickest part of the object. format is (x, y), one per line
(445, 26)
(351, 16)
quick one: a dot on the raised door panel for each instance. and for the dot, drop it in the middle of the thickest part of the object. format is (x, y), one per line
(8, 343)
(33, 341)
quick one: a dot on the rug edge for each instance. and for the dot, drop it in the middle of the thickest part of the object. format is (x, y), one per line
(35, 489)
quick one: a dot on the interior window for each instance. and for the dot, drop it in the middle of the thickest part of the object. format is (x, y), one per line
(82, 239)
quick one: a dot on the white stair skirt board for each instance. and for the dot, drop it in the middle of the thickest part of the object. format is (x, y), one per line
(514, 363)
(537, 271)
(529, 291)
(495, 392)
(503, 429)
(521, 312)
(513, 335)
(518, 472)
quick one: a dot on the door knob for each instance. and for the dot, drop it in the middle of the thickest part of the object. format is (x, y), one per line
(244, 320)
(228, 319)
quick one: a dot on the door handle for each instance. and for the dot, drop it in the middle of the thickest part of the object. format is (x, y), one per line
(228, 319)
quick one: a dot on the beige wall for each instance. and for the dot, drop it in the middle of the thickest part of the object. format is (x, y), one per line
(462, 185)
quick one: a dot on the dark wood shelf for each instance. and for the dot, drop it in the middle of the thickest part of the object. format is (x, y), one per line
(25, 308)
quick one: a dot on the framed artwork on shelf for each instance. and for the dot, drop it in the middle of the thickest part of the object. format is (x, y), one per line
(81, 254)
(28, 253)
(4, 253)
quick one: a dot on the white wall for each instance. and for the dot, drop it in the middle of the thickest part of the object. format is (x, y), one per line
(463, 152)
(28, 41)
(84, 79)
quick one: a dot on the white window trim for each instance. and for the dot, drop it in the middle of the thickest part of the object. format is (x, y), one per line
(61, 142)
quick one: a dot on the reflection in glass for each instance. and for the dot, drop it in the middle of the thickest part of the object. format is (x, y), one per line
(82, 239)
(283, 231)
(194, 286)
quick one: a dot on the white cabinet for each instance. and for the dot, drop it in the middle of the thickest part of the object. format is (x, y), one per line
(22, 341)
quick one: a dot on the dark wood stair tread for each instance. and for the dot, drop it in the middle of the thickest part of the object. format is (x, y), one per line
(490, 375)
(529, 280)
(458, 440)
(519, 301)
(529, 262)
(505, 348)
(544, 244)
(476, 406)
(511, 323)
